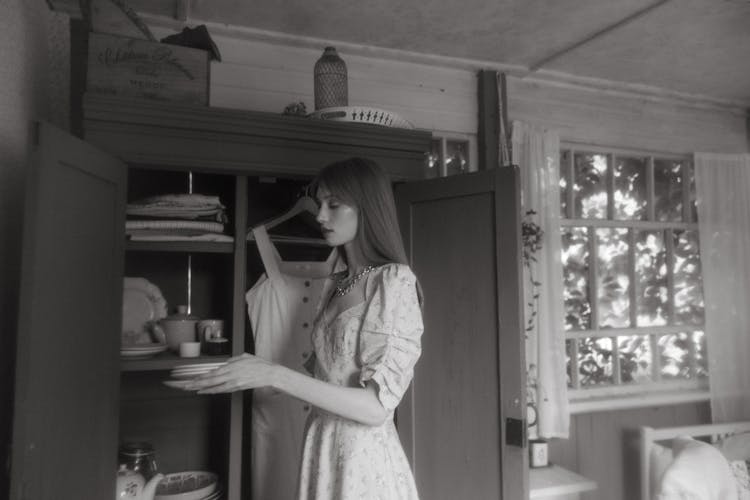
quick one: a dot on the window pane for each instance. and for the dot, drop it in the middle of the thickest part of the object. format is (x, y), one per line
(635, 358)
(668, 190)
(434, 160)
(690, 172)
(701, 354)
(569, 345)
(564, 159)
(575, 262)
(457, 157)
(630, 188)
(674, 351)
(613, 278)
(590, 187)
(688, 283)
(595, 361)
(651, 278)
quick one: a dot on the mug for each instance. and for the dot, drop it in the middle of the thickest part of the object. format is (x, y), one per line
(210, 330)
(190, 349)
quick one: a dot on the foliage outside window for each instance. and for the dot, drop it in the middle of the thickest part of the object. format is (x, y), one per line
(450, 154)
(634, 310)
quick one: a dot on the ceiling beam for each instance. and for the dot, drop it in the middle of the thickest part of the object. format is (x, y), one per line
(619, 24)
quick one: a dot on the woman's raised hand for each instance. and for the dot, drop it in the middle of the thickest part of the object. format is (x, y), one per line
(239, 373)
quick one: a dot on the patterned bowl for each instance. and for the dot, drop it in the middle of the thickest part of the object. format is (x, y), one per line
(362, 114)
(188, 485)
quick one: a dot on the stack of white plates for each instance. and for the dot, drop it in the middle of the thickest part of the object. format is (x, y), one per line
(142, 351)
(183, 374)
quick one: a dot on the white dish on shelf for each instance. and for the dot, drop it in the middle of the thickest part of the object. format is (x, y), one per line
(185, 376)
(143, 347)
(142, 351)
(176, 384)
(190, 373)
(199, 366)
(142, 302)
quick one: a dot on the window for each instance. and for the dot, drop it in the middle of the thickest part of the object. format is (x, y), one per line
(634, 310)
(450, 154)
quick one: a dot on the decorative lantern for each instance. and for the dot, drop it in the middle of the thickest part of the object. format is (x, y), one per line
(331, 86)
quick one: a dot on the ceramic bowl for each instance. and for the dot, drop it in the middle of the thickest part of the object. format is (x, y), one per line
(188, 485)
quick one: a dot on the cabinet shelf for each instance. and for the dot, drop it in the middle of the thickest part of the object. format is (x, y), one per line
(165, 361)
(180, 246)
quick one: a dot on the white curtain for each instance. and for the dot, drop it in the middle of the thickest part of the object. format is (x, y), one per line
(537, 152)
(722, 183)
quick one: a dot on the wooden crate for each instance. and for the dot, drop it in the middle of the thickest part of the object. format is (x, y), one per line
(122, 66)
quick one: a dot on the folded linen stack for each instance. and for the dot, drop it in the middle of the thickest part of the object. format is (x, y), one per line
(177, 217)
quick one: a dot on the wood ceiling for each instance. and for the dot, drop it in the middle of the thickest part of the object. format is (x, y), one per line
(691, 48)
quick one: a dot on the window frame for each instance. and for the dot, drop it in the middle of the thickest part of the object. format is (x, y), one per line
(444, 137)
(625, 395)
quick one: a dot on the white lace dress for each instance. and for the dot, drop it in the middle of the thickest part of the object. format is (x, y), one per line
(377, 340)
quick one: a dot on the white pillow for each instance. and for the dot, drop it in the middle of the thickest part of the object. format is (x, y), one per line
(660, 458)
(699, 471)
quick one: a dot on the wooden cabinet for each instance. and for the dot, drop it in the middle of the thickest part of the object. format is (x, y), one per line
(75, 398)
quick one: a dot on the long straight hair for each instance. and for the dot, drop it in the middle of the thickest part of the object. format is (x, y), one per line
(363, 184)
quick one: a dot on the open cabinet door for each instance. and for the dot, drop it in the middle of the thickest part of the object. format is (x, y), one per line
(65, 419)
(462, 421)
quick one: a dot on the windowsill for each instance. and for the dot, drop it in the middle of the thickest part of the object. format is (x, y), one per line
(554, 481)
(637, 401)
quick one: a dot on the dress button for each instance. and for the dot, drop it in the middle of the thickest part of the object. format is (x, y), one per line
(306, 407)
(307, 283)
(305, 354)
(305, 325)
(305, 299)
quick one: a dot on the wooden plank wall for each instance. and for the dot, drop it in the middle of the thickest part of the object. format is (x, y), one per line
(603, 446)
(608, 117)
(262, 76)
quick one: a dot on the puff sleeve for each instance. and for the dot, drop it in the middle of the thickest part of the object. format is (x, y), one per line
(390, 337)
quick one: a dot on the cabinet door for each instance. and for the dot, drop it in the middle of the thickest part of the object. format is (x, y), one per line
(67, 360)
(463, 238)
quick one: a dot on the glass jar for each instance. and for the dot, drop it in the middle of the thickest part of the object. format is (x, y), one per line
(139, 457)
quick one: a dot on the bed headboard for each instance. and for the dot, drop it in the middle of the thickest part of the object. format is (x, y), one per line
(650, 435)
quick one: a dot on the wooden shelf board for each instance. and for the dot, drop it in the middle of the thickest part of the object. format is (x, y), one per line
(180, 246)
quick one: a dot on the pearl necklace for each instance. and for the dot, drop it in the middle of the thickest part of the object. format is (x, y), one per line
(345, 284)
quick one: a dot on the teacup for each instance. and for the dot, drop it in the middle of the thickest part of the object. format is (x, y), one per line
(190, 349)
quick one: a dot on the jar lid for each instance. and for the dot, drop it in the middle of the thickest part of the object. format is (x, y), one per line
(182, 315)
(137, 449)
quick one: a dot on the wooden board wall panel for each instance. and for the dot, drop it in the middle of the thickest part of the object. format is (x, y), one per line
(271, 101)
(266, 77)
(607, 119)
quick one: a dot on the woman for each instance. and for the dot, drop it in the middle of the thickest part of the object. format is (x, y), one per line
(366, 341)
